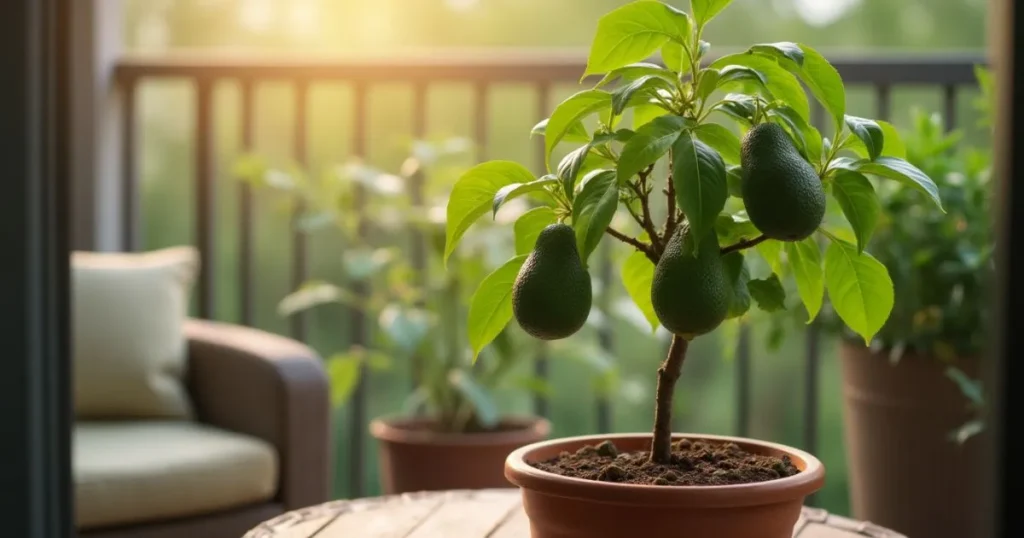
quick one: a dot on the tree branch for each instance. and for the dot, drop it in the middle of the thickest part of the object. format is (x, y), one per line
(748, 243)
(635, 243)
(641, 192)
(670, 193)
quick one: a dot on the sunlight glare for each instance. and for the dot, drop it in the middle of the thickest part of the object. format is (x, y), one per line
(823, 12)
(462, 5)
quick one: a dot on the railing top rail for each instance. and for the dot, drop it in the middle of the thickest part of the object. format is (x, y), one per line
(503, 66)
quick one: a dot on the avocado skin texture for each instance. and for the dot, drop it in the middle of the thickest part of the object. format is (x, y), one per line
(783, 195)
(691, 295)
(551, 296)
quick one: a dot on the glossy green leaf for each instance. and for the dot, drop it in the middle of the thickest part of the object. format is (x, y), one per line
(734, 179)
(575, 133)
(733, 228)
(645, 85)
(675, 57)
(569, 169)
(771, 251)
(805, 134)
(860, 204)
(724, 141)
(805, 261)
(515, 190)
(708, 83)
(632, 72)
(490, 308)
(648, 145)
(637, 276)
(529, 225)
(768, 293)
(633, 32)
(782, 84)
(869, 133)
(902, 171)
(473, 195)
(741, 76)
(570, 112)
(698, 175)
(644, 114)
(894, 146)
(859, 288)
(705, 10)
(824, 82)
(593, 210)
(485, 409)
(781, 50)
(739, 276)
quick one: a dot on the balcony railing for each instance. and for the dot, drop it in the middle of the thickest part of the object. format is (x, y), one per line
(542, 72)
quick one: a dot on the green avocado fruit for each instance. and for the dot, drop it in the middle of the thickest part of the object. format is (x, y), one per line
(691, 293)
(782, 193)
(551, 296)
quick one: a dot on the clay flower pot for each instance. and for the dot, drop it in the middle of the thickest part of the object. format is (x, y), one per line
(563, 507)
(905, 471)
(414, 456)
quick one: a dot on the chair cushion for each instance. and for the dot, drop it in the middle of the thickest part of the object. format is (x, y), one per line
(129, 350)
(135, 472)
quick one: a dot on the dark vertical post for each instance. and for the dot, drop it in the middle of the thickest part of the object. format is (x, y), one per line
(418, 246)
(605, 335)
(540, 364)
(300, 271)
(245, 210)
(205, 193)
(35, 390)
(131, 224)
(357, 435)
(743, 386)
(949, 106)
(883, 102)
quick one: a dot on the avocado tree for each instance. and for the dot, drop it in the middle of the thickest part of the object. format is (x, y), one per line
(743, 169)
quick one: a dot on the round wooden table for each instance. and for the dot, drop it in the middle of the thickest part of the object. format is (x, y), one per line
(474, 514)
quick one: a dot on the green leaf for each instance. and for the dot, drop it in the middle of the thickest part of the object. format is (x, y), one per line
(859, 288)
(622, 135)
(805, 260)
(904, 172)
(570, 112)
(708, 83)
(698, 174)
(644, 114)
(768, 293)
(771, 251)
(742, 76)
(314, 293)
(529, 225)
(705, 10)
(648, 145)
(621, 97)
(894, 146)
(734, 179)
(569, 169)
(593, 210)
(734, 228)
(824, 82)
(633, 32)
(807, 136)
(343, 372)
(508, 192)
(484, 407)
(637, 276)
(490, 308)
(576, 132)
(781, 50)
(869, 132)
(782, 84)
(632, 72)
(859, 203)
(473, 194)
(675, 57)
(724, 141)
(739, 276)
(739, 106)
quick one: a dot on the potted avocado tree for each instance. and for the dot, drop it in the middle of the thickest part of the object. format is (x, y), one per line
(907, 422)
(774, 177)
(452, 417)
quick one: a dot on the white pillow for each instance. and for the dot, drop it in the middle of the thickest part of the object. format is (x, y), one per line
(129, 349)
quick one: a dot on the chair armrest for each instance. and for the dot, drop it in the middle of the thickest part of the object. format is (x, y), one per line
(253, 382)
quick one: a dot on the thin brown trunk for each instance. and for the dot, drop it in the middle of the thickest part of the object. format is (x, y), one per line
(668, 374)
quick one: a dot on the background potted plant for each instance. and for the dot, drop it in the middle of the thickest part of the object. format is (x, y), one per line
(907, 424)
(452, 415)
(722, 196)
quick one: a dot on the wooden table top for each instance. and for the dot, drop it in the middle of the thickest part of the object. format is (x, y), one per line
(474, 514)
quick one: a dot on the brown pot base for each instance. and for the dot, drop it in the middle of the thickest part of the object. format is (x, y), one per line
(416, 457)
(565, 507)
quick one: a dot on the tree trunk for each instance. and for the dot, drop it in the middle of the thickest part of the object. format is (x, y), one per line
(668, 374)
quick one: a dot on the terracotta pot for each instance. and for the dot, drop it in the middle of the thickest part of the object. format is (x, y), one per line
(905, 472)
(416, 457)
(563, 507)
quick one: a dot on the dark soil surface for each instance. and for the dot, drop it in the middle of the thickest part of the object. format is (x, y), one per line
(693, 464)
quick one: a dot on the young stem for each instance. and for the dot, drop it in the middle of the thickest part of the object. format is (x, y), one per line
(668, 374)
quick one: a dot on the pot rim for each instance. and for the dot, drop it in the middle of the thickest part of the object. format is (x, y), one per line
(810, 479)
(526, 429)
